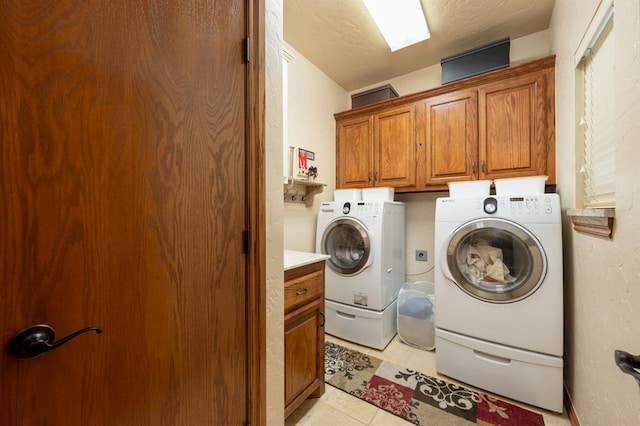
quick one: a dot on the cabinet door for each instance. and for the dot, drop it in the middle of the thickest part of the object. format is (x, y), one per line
(394, 148)
(304, 354)
(513, 127)
(451, 132)
(354, 163)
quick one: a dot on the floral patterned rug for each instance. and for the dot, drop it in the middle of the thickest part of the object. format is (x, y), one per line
(416, 397)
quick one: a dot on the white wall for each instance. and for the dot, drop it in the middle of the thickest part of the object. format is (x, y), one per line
(521, 50)
(602, 276)
(274, 214)
(313, 98)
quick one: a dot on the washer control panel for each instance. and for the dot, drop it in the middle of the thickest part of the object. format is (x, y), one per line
(541, 208)
(361, 208)
(528, 205)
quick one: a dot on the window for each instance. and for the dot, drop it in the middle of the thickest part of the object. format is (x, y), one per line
(287, 154)
(595, 62)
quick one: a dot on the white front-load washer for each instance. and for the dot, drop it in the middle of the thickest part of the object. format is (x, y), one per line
(365, 241)
(499, 289)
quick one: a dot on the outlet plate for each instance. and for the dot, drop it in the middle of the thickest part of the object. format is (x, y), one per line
(421, 255)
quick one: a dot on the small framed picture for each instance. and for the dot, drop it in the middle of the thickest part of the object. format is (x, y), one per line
(305, 159)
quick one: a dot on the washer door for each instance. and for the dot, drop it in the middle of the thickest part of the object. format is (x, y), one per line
(347, 241)
(495, 260)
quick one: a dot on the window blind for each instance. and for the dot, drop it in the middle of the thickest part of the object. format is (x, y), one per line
(598, 121)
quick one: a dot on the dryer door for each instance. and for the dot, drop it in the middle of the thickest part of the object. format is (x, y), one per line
(347, 242)
(495, 260)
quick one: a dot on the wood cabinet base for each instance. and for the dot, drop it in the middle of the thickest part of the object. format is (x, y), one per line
(304, 335)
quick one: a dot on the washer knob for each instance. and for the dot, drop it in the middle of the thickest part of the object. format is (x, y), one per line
(490, 205)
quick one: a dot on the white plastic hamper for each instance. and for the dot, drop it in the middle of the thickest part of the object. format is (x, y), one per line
(416, 311)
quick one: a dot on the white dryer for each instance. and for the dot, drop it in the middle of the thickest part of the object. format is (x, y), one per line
(499, 287)
(363, 276)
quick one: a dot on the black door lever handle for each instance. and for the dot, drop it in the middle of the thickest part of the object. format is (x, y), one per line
(628, 363)
(38, 339)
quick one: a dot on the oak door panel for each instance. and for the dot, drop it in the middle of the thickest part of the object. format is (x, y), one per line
(304, 350)
(513, 128)
(394, 148)
(354, 154)
(451, 137)
(122, 185)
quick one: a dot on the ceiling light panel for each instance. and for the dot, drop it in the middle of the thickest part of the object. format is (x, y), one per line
(401, 22)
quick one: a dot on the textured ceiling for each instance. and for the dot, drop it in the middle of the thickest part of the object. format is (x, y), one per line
(340, 38)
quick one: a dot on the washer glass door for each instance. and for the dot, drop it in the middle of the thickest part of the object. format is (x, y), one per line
(496, 260)
(347, 242)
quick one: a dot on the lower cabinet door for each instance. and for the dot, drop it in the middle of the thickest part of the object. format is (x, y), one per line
(304, 354)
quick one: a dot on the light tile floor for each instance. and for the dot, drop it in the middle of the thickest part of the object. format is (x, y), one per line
(337, 408)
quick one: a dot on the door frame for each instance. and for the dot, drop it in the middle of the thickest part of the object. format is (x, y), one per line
(256, 215)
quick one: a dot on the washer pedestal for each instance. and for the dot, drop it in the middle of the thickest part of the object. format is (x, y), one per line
(530, 377)
(362, 326)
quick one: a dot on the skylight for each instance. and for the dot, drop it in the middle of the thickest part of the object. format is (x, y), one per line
(401, 22)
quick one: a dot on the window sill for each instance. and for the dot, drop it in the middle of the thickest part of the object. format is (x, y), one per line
(593, 221)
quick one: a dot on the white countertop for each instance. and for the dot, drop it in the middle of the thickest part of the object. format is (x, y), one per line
(295, 259)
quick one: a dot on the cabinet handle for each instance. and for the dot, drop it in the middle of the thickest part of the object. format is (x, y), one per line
(375, 176)
(482, 166)
(473, 166)
(322, 315)
(369, 176)
(301, 292)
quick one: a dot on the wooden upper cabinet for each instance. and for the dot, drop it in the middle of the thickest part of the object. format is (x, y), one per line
(376, 150)
(394, 148)
(496, 125)
(449, 128)
(513, 128)
(354, 155)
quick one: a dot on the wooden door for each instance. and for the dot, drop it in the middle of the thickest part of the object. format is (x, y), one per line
(394, 150)
(122, 188)
(354, 153)
(451, 137)
(513, 131)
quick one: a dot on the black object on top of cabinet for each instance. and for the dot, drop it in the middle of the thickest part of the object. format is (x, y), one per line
(476, 61)
(371, 96)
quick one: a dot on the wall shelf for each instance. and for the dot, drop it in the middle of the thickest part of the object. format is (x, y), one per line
(302, 191)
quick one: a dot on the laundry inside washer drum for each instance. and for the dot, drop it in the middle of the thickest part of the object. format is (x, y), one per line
(348, 255)
(496, 261)
(348, 247)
